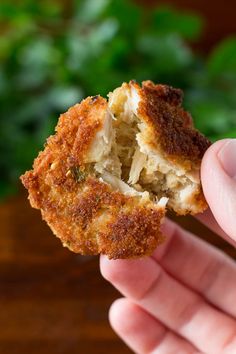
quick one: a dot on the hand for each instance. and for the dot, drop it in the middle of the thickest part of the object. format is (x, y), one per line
(182, 299)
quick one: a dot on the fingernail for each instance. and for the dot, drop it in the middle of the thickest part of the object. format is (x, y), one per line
(227, 158)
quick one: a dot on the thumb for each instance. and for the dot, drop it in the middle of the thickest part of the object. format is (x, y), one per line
(218, 173)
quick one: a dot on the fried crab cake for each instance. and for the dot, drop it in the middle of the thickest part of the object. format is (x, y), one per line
(105, 179)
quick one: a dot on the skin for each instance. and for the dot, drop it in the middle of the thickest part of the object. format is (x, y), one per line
(182, 299)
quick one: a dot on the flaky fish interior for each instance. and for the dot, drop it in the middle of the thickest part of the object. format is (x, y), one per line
(129, 155)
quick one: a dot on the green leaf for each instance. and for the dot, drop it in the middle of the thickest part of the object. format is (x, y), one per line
(38, 53)
(210, 116)
(83, 50)
(3, 82)
(231, 134)
(104, 32)
(167, 20)
(7, 10)
(91, 10)
(77, 52)
(37, 60)
(129, 15)
(62, 97)
(168, 51)
(223, 59)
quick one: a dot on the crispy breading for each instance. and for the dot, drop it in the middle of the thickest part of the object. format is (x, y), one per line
(87, 215)
(76, 181)
(174, 130)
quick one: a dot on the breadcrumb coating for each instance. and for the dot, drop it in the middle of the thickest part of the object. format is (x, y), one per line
(79, 180)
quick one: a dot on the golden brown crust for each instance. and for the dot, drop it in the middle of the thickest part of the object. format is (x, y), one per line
(177, 138)
(135, 232)
(74, 134)
(85, 213)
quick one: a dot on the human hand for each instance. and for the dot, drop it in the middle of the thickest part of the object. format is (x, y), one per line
(182, 299)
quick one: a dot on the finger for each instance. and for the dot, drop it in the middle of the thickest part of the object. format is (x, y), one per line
(143, 333)
(218, 174)
(173, 304)
(198, 265)
(208, 220)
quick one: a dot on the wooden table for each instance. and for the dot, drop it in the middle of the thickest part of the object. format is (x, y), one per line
(53, 301)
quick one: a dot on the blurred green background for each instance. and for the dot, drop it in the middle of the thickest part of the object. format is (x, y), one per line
(52, 54)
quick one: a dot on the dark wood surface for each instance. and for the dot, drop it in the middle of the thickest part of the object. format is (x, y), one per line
(51, 300)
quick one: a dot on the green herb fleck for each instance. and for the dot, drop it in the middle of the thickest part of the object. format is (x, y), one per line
(97, 198)
(78, 175)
